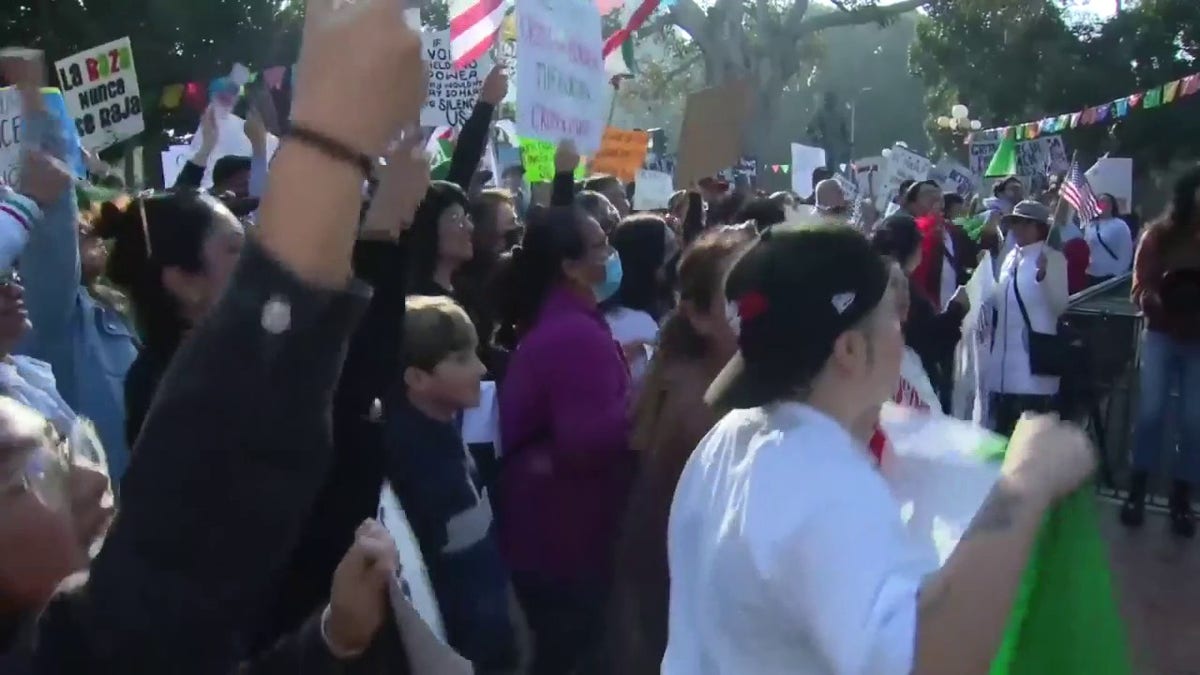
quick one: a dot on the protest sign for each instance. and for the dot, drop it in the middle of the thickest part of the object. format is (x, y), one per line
(413, 575)
(561, 85)
(711, 136)
(805, 160)
(452, 92)
(621, 153)
(12, 132)
(231, 140)
(653, 190)
(1039, 156)
(1114, 176)
(954, 177)
(902, 164)
(538, 159)
(100, 87)
(173, 159)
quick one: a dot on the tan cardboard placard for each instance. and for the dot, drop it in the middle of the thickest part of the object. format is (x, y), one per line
(711, 138)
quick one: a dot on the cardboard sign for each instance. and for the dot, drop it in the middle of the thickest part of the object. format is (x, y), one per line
(711, 137)
(621, 153)
(538, 159)
(12, 132)
(653, 190)
(561, 84)
(100, 87)
(231, 140)
(452, 92)
(1039, 156)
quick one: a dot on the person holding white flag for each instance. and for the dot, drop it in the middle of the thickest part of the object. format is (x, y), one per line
(787, 553)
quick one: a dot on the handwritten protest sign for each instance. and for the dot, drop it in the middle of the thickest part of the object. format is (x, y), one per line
(902, 164)
(954, 177)
(100, 87)
(1036, 157)
(653, 190)
(561, 85)
(711, 137)
(538, 159)
(452, 92)
(621, 153)
(13, 129)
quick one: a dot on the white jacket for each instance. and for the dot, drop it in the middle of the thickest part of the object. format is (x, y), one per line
(1007, 363)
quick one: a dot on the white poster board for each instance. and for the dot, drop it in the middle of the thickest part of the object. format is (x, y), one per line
(231, 140)
(652, 190)
(561, 85)
(173, 159)
(100, 88)
(1040, 156)
(902, 164)
(1114, 176)
(11, 121)
(452, 92)
(805, 159)
(413, 574)
(954, 177)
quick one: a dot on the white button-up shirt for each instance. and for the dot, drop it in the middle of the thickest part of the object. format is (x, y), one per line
(788, 554)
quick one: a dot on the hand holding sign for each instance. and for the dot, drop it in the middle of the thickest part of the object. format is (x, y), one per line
(495, 85)
(349, 49)
(26, 69)
(358, 599)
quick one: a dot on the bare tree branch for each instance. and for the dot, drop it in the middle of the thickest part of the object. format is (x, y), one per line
(795, 14)
(688, 16)
(856, 16)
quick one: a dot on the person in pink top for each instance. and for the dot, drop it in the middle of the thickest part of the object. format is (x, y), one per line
(564, 430)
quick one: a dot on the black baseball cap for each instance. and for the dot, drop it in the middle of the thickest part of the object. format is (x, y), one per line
(797, 290)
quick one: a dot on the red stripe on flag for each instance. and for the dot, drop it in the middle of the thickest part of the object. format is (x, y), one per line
(461, 23)
(473, 53)
(638, 18)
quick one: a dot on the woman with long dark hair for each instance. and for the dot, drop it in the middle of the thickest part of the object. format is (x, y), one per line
(697, 339)
(1166, 286)
(646, 246)
(564, 427)
(1110, 242)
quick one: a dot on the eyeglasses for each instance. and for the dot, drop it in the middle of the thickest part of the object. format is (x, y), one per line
(45, 472)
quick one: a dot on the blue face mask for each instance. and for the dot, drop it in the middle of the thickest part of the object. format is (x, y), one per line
(612, 278)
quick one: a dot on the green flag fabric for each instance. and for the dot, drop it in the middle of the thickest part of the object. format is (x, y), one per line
(1004, 162)
(1066, 620)
(973, 225)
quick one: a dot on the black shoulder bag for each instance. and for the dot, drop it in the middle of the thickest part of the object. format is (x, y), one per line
(1049, 354)
(1101, 240)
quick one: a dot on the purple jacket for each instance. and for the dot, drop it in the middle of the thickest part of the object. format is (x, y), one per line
(564, 428)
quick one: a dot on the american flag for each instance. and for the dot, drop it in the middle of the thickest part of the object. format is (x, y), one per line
(1078, 193)
(473, 26)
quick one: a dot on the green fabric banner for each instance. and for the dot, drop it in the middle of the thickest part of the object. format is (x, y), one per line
(1065, 620)
(1004, 162)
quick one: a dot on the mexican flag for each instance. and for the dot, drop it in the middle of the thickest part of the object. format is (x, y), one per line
(1004, 162)
(1065, 620)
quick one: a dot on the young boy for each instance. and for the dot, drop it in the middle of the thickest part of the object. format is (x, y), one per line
(436, 480)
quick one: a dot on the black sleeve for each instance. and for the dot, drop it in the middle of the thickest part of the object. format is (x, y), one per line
(304, 653)
(562, 191)
(191, 176)
(693, 223)
(932, 334)
(472, 141)
(351, 490)
(229, 463)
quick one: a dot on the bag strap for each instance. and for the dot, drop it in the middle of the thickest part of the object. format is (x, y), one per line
(1016, 284)
(1101, 240)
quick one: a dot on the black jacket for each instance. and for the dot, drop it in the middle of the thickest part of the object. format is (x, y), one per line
(933, 335)
(229, 465)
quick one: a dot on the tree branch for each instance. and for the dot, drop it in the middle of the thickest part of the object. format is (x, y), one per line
(689, 17)
(856, 16)
(795, 15)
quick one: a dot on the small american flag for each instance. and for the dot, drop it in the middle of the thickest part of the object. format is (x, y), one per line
(473, 26)
(1078, 193)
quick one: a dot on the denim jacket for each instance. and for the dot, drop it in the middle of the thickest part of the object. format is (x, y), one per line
(88, 344)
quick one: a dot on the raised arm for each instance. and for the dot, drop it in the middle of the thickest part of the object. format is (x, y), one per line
(472, 140)
(237, 444)
(192, 174)
(50, 261)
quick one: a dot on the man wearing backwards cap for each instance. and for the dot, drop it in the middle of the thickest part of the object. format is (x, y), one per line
(787, 553)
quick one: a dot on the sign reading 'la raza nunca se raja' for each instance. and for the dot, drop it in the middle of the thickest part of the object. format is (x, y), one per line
(100, 88)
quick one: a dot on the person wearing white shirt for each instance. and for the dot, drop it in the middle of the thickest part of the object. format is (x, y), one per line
(1110, 242)
(1031, 294)
(786, 549)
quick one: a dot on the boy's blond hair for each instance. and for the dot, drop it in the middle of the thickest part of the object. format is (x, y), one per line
(434, 328)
